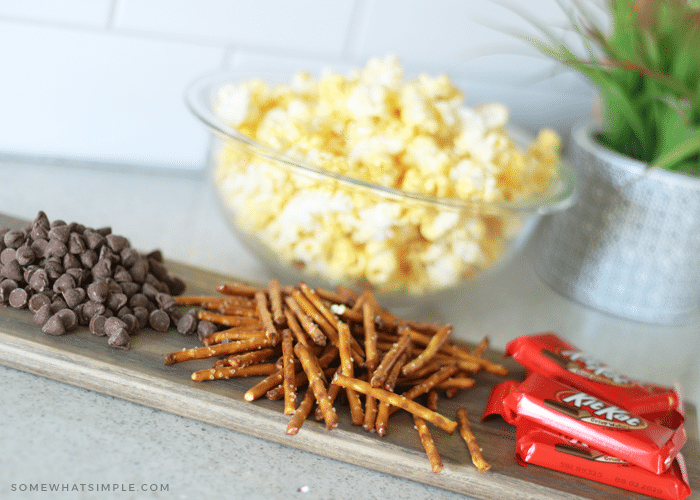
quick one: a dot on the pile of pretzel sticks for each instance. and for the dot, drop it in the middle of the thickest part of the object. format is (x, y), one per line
(336, 343)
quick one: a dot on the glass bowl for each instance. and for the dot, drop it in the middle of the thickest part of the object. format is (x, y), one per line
(327, 229)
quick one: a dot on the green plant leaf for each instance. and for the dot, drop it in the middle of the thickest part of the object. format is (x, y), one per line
(680, 152)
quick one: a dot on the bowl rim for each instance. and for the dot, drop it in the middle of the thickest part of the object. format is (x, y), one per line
(559, 197)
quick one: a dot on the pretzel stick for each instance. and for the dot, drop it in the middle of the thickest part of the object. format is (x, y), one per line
(311, 366)
(290, 389)
(318, 318)
(333, 297)
(460, 353)
(196, 300)
(306, 322)
(428, 444)
(395, 400)
(434, 345)
(431, 402)
(346, 366)
(277, 392)
(382, 371)
(239, 289)
(371, 408)
(226, 320)
(428, 384)
(233, 333)
(331, 321)
(469, 438)
(236, 310)
(261, 388)
(349, 294)
(456, 383)
(293, 324)
(265, 316)
(381, 422)
(275, 294)
(229, 371)
(301, 413)
(371, 352)
(346, 313)
(217, 350)
(249, 358)
(483, 345)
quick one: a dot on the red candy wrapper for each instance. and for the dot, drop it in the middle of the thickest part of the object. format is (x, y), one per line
(549, 355)
(603, 426)
(539, 446)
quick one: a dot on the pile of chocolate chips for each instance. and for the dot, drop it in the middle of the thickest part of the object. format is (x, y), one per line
(69, 275)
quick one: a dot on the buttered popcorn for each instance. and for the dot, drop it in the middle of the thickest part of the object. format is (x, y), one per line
(375, 126)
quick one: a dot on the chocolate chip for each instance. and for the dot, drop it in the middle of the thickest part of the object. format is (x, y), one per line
(58, 222)
(7, 255)
(176, 285)
(130, 288)
(55, 247)
(77, 227)
(25, 255)
(157, 269)
(165, 301)
(14, 239)
(93, 239)
(12, 270)
(57, 304)
(74, 296)
(70, 261)
(39, 245)
(149, 291)
(138, 299)
(120, 339)
(88, 258)
(103, 268)
(97, 325)
(98, 291)
(63, 283)
(69, 319)
(92, 308)
(205, 328)
(113, 325)
(37, 301)
(156, 255)
(116, 301)
(132, 323)
(42, 315)
(18, 298)
(6, 287)
(159, 320)
(141, 314)
(53, 268)
(121, 275)
(80, 276)
(54, 326)
(39, 281)
(61, 233)
(76, 243)
(187, 324)
(129, 257)
(139, 271)
(117, 243)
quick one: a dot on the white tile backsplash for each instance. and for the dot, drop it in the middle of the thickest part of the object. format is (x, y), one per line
(100, 96)
(317, 27)
(104, 79)
(93, 13)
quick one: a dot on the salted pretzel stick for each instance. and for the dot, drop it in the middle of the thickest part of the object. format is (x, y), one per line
(334, 297)
(431, 401)
(346, 366)
(371, 408)
(456, 383)
(265, 316)
(196, 300)
(396, 400)
(382, 371)
(233, 333)
(469, 438)
(428, 384)
(306, 322)
(349, 294)
(293, 324)
(249, 358)
(277, 392)
(275, 293)
(217, 350)
(460, 353)
(381, 423)
(345, 313)
(434, 345)
(481, 347)
(316, 304)
(301, 413)
(311, 366)
(371, 352)
(226, 320)
(428, 444)
(290, 388)
(235, 310)
(242, 289)
(318, 318)
(229, 371)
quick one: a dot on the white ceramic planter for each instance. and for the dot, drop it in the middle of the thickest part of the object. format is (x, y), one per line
(630, 244)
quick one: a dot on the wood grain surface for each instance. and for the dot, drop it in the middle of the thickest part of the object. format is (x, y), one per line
(141, 376)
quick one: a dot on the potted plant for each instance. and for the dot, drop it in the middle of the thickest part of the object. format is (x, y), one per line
(630, 245)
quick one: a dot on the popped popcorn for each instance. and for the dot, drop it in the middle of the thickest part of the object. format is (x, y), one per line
(376, 126)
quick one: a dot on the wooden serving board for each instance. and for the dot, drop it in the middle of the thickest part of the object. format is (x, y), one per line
(140, 375)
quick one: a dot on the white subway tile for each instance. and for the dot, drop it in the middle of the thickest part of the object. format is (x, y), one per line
(310, 26)
(100, 96)
(93, 13)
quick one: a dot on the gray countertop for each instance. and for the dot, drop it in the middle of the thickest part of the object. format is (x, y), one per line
(55, 434)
